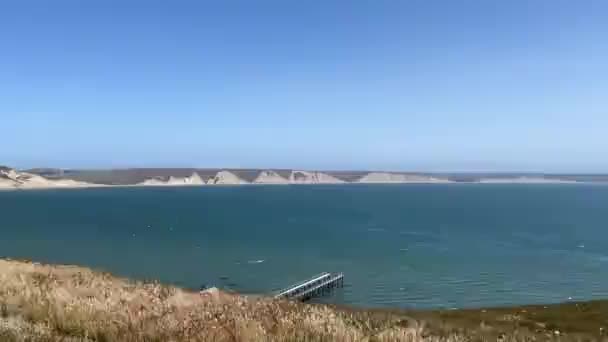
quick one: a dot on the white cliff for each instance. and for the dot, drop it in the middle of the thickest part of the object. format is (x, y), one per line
(524, 180)
(7, 183)
(270, 177)
(226, 177)
(312, 177)
(388, 177)
(12, 179)
(194, 179)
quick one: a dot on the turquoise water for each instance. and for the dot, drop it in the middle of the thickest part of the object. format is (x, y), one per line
(414, 246)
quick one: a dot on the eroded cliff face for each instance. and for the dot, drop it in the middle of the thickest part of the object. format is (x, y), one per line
(153, 182)
(312, 177)
(270, 177)
(8, 173)
(387, 177)
(194, 179)
(13, 179)
(7, 178)
(226, 177)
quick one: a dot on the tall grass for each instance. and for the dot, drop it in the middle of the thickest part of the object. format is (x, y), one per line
(66, 303)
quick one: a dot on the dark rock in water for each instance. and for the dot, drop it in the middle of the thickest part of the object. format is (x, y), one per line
(224, 278)
(204, 287)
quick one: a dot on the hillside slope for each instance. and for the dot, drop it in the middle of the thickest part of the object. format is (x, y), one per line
(69, 303)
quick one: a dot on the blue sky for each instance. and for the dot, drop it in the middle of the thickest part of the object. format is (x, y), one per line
(404, 85)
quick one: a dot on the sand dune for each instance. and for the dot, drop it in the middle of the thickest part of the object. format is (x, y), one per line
(270, 177)
(312, 177)
(387, 177)
(226, 177)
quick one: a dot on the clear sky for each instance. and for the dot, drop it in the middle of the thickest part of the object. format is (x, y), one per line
(404, 85)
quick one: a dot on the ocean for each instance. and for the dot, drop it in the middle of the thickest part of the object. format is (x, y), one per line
(399, 246)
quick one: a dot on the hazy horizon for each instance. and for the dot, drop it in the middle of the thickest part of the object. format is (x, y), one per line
(421, 86)
(414, 171)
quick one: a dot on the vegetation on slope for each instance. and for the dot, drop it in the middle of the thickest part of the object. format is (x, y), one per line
(68, 303)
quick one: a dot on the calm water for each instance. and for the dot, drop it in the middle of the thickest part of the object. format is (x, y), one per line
(417, 246)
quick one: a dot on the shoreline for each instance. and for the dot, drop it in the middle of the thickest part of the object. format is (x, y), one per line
(38, 179)
(110, 186)
(64, 301)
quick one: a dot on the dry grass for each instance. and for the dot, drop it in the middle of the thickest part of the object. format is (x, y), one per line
(66, 303)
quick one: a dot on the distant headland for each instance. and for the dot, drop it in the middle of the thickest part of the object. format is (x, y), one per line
(40, 178)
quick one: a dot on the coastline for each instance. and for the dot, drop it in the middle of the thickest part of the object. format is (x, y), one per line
(11, 179)
(54, 302)
(109, 186)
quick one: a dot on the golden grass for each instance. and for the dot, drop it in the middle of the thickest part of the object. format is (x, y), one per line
(67, 303)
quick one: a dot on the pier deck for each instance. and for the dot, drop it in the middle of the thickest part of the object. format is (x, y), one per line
(312, 287)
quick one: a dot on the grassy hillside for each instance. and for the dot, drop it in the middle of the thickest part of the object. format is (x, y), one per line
(68, 303)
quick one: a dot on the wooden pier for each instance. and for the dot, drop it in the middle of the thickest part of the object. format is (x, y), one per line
(313, 287)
